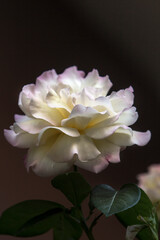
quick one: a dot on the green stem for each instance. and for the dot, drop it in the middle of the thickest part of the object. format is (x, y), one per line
(75, 168)
(151, 226)
(155, 234)
(95, 221)
(84, 226)
(87, 230)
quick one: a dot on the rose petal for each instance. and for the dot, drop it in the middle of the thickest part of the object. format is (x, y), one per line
(61, 101)
(79, 117)
(72, 77)
(121, 137)
(141, 138)
(124, 137)
(49, 168)
(95, 165)
(50, 132)
(109, 150)
(25, 97)
(154, 168)
(86, 149)
(128, 117)
(99, 86)
(21, 140)
(105, 103)
(44, 166)
(122, 99)
(84, 98)
(40, 110)
(47, 80)
(82, 146)
(30, 125)
(103, 132)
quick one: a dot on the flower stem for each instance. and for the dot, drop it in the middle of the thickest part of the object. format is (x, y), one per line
(75, 168)
(87, 230)
(84, 226)
(95, 221)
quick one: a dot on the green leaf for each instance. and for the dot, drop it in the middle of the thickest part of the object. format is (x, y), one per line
(30, 218)
(142, 213)
(73, 186)
(68, 228)
(76, 214)
(109, 201)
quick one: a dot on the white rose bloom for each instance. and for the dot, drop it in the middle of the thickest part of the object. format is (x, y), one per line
(150, 183)
(69, 121)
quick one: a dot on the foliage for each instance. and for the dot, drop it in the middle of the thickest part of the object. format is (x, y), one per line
(34, 217)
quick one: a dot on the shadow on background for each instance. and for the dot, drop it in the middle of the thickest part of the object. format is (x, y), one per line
(119, 38)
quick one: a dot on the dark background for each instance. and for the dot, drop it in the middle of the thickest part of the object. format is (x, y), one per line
(120, 38)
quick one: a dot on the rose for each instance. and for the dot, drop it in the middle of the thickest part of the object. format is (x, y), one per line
(69, 121)
(150, 183)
